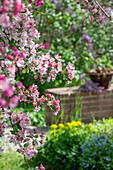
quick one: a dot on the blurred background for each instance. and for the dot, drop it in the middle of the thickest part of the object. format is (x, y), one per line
(83, 43)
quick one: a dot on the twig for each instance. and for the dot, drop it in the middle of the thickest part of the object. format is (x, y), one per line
(102, 9)
(26, 161)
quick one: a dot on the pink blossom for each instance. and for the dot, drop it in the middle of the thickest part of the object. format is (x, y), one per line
(20, 63)
(13, 102)
(3, 103)
(85, 19)
(4, 9)
(6, 2)
(8, 92)
(86, 1)
(91, 18)
(22, 55)
(48, 95)
(42, 167)
(48, 78)
(35, 130)
(46, 45)
(30, 1)
(39, 3)
(35, 76)
(18, 7)
(2, 49)
(9, 57)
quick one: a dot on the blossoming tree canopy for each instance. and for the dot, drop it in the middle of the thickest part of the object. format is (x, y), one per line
(20, 50)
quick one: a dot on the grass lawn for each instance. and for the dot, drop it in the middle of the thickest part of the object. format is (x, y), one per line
(12, 161)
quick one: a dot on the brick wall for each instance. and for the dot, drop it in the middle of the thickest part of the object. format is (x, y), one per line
(93, 105)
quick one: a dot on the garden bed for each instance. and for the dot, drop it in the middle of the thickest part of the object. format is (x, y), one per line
(78, 146)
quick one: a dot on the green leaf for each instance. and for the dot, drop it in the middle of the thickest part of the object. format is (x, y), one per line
(23, 135)
(26, 144)
(36, 142)
(39, 12)
(12, 132)
(18, 138)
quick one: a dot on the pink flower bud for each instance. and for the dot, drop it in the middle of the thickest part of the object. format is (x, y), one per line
(9, 57)
(30, 1)
(8, 92)
(86, 1)
(4, 9)
(7, 19)
(22, 55)
(35, 130)
(82, 5)
(2, 50)
(3, 103)
(14, 102)
(35, 76)
(39, 3)
(6, 2)
(48, 95)
(46, 45)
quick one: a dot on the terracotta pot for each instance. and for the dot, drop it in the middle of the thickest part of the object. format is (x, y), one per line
(104, 79)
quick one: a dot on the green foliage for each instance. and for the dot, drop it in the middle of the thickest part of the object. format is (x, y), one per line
(78, 108)
(38, 119)
(78, 146)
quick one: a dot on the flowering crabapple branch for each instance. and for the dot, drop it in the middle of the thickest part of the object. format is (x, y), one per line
(16, 134)
(102, 9)
(98, 13)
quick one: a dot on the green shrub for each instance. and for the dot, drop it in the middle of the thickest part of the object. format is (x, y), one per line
(78, 146)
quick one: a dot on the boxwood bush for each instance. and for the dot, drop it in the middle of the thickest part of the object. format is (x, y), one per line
(76, 145)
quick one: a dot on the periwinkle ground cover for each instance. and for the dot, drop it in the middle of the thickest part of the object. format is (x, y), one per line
(78, 146)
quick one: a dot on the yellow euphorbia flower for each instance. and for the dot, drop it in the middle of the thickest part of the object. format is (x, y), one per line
(69, 124)
(74, 123)
(53, 132)
(53, 126)
(61, 125)
(78, 123)
(65, 127)
(59, 130)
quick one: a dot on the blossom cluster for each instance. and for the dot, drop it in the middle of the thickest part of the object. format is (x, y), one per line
(7, 90)
(10, 8)
(27, 139)
(32, 96)
(41, 167)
